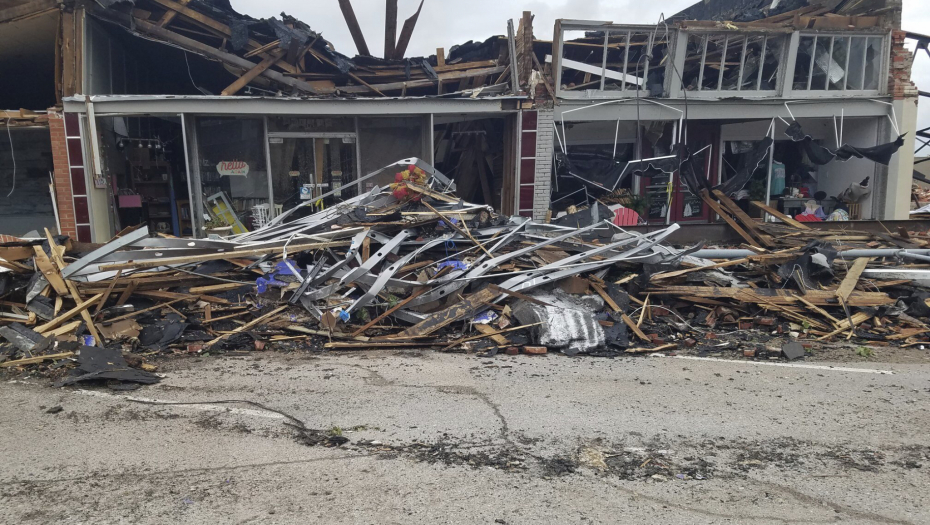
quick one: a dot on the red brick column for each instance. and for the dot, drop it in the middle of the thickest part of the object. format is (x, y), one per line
(65, 203)
(900, 85)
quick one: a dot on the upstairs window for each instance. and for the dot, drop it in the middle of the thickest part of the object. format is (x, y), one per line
(838, 63)
(732, 62)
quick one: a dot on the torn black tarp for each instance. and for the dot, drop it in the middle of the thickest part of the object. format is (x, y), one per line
(821, 155)
(105, 363)
(748, 164)
(814, 267)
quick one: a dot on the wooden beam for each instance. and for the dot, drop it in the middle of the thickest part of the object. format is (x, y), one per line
(406, 33)
(170, 14)
(106, 295)
(390, 28)
(34, 360)
(60, 263)
(633, 326)
(200, 48)
(440, 58)
(27, 9)
(774, 296)
(726, 216)
(357, 36)
(457, 75)
(767, 240)
(251, 74)
(81, 307)
(250, 324)
(779, 215)
(852, 278)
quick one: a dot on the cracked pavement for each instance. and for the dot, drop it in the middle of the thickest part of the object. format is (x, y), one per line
(442, 438)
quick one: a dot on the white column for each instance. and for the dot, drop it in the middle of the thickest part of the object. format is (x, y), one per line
(901, 167)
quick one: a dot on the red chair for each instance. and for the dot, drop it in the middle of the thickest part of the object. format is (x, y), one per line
(626, 217)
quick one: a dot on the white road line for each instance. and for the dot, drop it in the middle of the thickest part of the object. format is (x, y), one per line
(787, 365)
(168, 404)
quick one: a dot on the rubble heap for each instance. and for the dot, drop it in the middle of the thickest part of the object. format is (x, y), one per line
(412, 265)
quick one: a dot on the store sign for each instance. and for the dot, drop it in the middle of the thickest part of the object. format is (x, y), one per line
(233, 168)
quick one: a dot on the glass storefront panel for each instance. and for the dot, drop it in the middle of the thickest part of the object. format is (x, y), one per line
(233, 172)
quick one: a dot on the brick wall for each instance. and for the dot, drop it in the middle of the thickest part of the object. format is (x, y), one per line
(63, 196)
(544, 152)
(900, 85)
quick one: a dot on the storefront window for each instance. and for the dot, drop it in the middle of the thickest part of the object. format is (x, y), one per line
(384, 141)
(233, 172)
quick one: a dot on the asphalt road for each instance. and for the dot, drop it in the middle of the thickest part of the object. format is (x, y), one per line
(437, 438)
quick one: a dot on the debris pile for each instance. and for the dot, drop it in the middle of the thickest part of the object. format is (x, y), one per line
(411, 265)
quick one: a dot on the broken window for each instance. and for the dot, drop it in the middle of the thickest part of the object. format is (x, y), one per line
(613, 58)
(838, 63)
(732, 62)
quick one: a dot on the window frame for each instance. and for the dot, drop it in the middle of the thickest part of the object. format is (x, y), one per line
(558, 45)
(808, 92)
(681, 55)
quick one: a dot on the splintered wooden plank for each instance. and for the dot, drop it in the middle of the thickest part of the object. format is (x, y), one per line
(726, 216)
(170, 14)
(767, 240)
(773, 296)
(81, 307)
(852, 278)
(253, 73)
(59, 261)
(779, 215)
(34, 360)
(250, 324)
(405, 33)
(460, 310)
(49, 271)
(633, 326)
(390, 28)
(357, 36)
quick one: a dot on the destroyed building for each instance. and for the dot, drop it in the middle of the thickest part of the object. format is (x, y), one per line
(190, 118)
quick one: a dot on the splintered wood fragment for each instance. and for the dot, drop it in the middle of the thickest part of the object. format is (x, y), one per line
(390, 29)
(253, 73)
(642, 312)
(127, 293)
(59, 261)
(416, 293)
(779, 215)
(678, 273)
(405, 33)
(668, 346)
(254, 322)
(774, 296)
(438, 320)
(208, 313)
(854, 320)
(430, 193)
(223, 318)
(354, 29)
(607, 299)
(337, 335)
(456, 228)
(636, 330)
(80, 307)
(49, 271)
(491, 334)
(907, 332)
(819, 310)
(214, 288)
(170, 14)
(34, 360)
(765, 239)
(365, 346)
(63, 329)
(106, 294)
(852, 278)
(726, 216)
(518, 295)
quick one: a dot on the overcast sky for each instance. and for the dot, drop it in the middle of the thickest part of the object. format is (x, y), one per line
(444, 23)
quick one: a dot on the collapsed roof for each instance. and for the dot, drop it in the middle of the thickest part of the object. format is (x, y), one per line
(285, 56)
